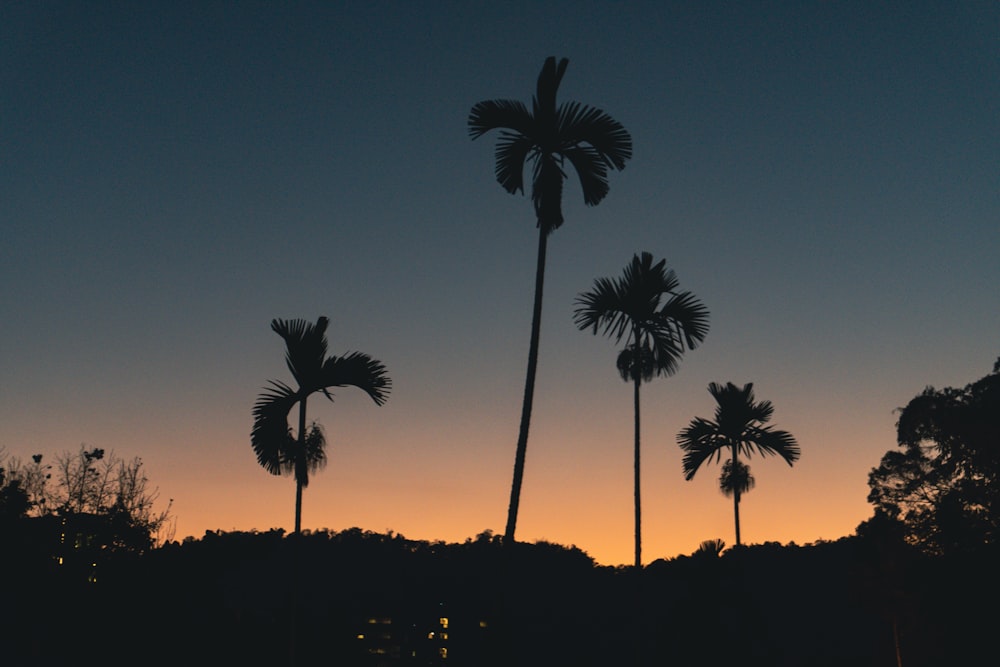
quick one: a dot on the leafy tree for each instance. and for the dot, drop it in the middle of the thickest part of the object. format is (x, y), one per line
(659, 322)
(271, 437)
(93, 483)
(14, 503)
(739, 429)
(33, 479)
(548, 137)
(944, 482)
(101, 499)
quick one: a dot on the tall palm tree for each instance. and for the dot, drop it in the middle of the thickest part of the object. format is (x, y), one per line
(548, 137)
(278, 451)
(660, 323)
(739, 428)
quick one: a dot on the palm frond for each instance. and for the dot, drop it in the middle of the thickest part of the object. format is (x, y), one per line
(700, 441)
(313, 455)
(499, 114)
(591, 171)
(775, 442)
(667, 349)
(270, 436)
(631, 304)
(305, 348)
(580, 124)
(634, 360)
(544, 102)
(511, 153)
(602, 307)
(358, 370)
(735, 478)
(738, 427)
(734, 409)
(687, 316)
(710, 548)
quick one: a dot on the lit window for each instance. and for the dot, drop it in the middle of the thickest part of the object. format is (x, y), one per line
(444, 636)
(443, 652)
(482, 624)
(430, 635)
(361, 635)
(444, 621)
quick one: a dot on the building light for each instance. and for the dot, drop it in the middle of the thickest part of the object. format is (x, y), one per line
(444, 621)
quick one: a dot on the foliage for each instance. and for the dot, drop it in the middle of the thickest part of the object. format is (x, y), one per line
(548, 137)
(943, 484)
(736, 478)
(543, 603)
(14, 502)
(645, 307)
(101, 498)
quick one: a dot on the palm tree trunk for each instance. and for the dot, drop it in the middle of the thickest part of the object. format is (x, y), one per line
(736, 502)
(529, 389)
(300, 463)
(638, 503)
(736, 512)
(300, 469)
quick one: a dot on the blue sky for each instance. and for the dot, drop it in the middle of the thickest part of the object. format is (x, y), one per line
(824, 176)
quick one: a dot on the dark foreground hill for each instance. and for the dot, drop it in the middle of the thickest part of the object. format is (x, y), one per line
(360, 598)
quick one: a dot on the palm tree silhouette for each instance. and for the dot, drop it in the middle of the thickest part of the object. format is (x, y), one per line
(305, 353)
(739, 428)
(658, 332)
(547, 136)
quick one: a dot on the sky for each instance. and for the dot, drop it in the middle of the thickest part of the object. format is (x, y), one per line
(824, 176)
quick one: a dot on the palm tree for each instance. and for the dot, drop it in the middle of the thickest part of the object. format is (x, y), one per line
(739, 427)
(548, 137)
(660, 323)
(710, 549)
(276, 448)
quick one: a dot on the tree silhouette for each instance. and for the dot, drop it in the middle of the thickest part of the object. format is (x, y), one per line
(739, 428)
(305, 344)
(548, 136)
(645, 307)
(943, 483)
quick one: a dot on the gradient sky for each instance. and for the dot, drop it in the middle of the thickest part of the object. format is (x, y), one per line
(825, 176)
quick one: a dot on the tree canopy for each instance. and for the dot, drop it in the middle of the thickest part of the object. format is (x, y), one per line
(942, 484)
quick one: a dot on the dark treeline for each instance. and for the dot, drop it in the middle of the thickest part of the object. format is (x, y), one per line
(380, 599)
